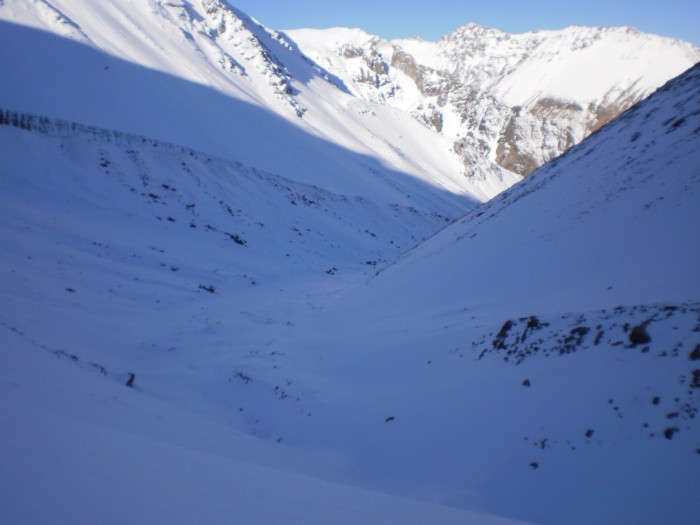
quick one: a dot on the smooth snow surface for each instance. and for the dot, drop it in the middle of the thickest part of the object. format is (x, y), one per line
(316, 331)
(80, 449)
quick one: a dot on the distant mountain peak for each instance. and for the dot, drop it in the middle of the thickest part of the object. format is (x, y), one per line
(474, 30)
(517, 100)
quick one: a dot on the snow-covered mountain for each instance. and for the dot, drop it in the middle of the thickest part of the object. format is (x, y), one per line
(192, 206)
(204, 75)
(515, 99)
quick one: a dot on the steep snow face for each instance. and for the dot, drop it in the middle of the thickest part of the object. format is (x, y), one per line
(516, 99)
(603, 225)
(204, 75)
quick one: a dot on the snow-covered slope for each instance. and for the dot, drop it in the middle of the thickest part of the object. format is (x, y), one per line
(204, 75)
(190, 203)
(515, 99)
(541, 356)
(122, 255)
(80, 449)
(537, 359)
(610, 222)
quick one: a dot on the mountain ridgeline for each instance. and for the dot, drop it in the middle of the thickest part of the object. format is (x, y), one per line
(516, 99)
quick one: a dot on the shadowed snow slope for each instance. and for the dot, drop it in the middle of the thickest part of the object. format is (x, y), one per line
(168, 218)
(126, 255)
(78, 449)
(542, 353)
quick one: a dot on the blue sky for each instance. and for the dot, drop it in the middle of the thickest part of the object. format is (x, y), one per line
(434, 18)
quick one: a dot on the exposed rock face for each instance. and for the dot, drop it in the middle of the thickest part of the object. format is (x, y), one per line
(223, 21)
(515, 99)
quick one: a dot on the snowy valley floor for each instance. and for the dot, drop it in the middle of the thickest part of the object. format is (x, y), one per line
(294, 363)
(82, 449)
